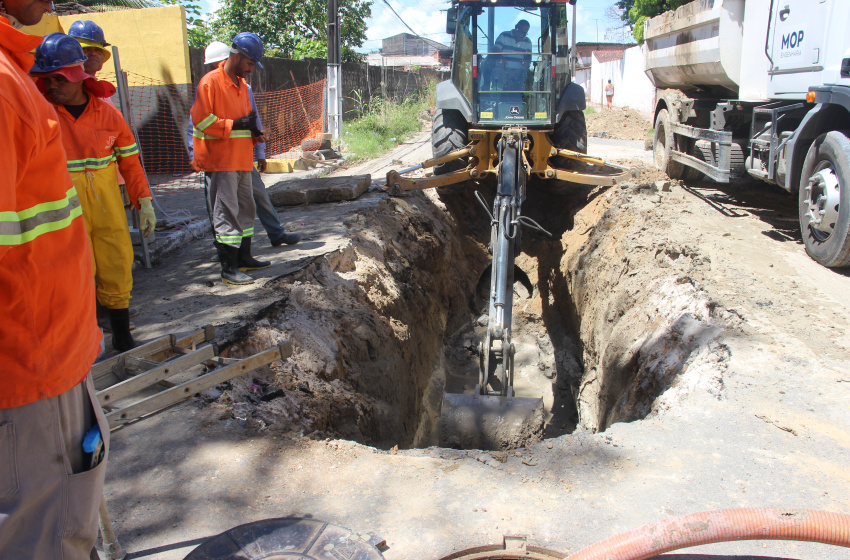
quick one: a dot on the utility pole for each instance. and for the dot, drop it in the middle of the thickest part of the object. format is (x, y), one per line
(334, 82)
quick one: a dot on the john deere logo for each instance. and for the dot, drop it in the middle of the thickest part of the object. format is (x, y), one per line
(515, 110)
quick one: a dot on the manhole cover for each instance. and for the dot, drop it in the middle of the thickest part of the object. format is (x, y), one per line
(512, 548)
(286, 539)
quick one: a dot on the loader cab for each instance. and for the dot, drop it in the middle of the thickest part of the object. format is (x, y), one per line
(511, 60)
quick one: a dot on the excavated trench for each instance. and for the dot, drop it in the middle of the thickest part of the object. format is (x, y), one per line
(605, 321)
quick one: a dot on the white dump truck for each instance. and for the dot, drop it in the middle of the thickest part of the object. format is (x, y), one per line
(760, 88)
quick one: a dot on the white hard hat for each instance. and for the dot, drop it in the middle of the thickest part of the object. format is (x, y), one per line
(216, 52)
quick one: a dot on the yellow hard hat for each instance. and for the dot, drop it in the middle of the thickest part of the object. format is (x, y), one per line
(85, 43)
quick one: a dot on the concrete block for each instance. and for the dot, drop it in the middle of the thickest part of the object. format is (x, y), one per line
(296, 192)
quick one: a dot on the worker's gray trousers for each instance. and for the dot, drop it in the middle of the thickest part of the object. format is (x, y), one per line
(232, 204)
(49, 495)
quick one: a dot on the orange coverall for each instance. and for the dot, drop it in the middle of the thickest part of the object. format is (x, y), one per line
(94, 142)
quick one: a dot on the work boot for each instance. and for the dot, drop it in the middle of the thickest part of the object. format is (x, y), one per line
(119, 320)
(103, 318)
(288, 238)
(230, 273)
(246, 261)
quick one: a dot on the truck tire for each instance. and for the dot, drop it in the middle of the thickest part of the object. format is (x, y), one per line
(662, 145)
(570, 134)
(824, 200)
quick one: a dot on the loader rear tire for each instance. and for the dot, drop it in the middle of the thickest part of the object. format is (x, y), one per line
(570, 134)
(449, 133)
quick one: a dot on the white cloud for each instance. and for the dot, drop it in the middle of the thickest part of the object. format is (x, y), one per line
(425, 18)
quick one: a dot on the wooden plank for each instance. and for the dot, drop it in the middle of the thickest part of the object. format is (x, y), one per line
(164, 371)
(189, 388)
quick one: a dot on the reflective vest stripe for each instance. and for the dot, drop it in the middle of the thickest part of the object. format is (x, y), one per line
(90, 163)
(248, 232)
(17, 228)
(211, 118)
(233, 134)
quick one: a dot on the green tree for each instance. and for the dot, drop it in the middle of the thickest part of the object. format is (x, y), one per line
(292, 28)
(636, 12)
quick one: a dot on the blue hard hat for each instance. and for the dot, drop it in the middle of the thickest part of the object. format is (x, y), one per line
(56, 51)
(250, 45)
(87, 29)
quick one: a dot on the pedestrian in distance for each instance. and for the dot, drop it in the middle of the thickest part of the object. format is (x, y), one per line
(609, 93)
(224, 134)
(95, 136)
(215, 53)
(51, 482)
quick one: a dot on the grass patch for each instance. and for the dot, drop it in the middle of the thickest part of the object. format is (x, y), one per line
(589, 111)
(383, 126)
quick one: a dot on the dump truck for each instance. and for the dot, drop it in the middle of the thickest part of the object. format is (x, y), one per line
(759, 88)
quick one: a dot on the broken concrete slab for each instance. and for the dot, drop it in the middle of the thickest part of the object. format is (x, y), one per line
(296, 192)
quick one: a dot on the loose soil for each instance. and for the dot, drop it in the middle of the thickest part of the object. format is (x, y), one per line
(691, 356)
(619, 123)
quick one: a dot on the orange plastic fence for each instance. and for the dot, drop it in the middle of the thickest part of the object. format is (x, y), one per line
(160, 113)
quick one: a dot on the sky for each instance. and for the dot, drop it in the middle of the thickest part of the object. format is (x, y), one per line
(426, 18)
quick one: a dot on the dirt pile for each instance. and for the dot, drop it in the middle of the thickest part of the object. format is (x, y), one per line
(367, 323)
(621, 124)
(644, 320)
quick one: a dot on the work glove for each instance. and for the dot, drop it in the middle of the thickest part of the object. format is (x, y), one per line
(147, 217)
(248, 122)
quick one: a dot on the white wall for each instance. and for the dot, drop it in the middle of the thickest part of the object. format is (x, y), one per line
(632, 87)
(582, 78)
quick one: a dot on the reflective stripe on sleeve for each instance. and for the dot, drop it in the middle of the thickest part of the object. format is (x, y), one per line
(200, 134)
(90, 163)
(17, 228)
(206, 122)
(125, 151)
(240, 134)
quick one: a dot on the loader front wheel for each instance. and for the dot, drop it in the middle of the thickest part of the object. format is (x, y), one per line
(449, 133)
(570, 134)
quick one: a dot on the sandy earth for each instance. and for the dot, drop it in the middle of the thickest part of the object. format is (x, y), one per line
(685, 321)
(620, 123)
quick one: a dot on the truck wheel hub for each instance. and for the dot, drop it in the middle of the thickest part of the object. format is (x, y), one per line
(824, 195)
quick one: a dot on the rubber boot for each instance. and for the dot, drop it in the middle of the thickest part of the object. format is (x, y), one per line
(103, 318)
(119, 320)
(230, 273)
(246, 261)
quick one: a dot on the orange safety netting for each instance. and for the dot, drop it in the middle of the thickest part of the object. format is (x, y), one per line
(291, 118)
(160, 113)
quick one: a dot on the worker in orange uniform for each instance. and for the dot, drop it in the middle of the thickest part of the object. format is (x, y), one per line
(225, 131)
(95, 135)
(50, 487)
(90, 36)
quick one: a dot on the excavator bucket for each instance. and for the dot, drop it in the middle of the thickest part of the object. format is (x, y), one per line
(490, 422)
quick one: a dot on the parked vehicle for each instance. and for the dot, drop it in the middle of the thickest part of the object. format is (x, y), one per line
(760, 88)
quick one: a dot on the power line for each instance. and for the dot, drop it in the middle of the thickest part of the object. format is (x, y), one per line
(399, 18)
